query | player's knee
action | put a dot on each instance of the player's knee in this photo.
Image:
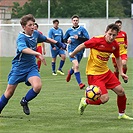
(63, 57)
(104, 98)
(9, 93)
(124, 65)
(76, 66)
(121, 92)
(37, 87)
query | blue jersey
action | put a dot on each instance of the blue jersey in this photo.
(81, 32)
(22, 60)
(56, 34)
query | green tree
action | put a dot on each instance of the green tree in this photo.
(127, 7)
(66, 8)
(116, 9)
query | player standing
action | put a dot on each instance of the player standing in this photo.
(98, 72)
(122, 41)
(75, 36)
(24, 67)
(56, 33)
(40, 48)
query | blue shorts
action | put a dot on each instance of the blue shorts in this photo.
(77, 57)
(54, 53)
(22, 75)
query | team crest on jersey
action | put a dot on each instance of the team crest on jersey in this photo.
(123, 35)
(102, 46)
(79, 33)
(113, 48)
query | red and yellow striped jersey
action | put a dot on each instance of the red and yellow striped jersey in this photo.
(122, 41)
(100, 52)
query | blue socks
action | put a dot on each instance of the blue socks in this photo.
(3, 102)
(53, 66)
(71, 71)
(30, 95)
(77, 76)
(61, 64)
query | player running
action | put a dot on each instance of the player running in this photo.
(56, 33)
(98, 72)
(24, 67)
(75, 36)
(121, 38)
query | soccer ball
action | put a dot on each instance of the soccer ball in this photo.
(93, 92)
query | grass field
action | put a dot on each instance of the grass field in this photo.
(55, 108)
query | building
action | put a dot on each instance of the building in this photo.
(6, 7)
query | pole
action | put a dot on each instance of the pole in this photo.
(48, 11)
(107, 10)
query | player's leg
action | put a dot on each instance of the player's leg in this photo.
(62, 61)
(98, 81)
(124, 63)
(54, 66)
(116, 71)
(6, 96)
(113, 82)
(39, 49)
(77, 73)
(53, 63)
(36, 84)
(121, 102)
(85, 101)
(32, 79)
(71, 71)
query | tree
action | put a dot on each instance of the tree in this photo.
(66, 8)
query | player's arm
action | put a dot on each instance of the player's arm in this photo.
(42, 38)
(32, 52)
(43, 47)
(78, 49)
(119, 64)
(126, 42)
(66, 36)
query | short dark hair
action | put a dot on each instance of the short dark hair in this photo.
(118, 21)
(26, 18)
(75, 16)
(36, 24)
(112, 27)
(56, 20)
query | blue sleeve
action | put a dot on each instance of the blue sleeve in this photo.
(21, 44)
(66, 36)
(41, 38)
(85, 33)
(62, 35)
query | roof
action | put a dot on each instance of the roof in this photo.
(9, 3)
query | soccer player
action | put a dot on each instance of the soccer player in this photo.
(75, 36)
(121, 38)
(56, 33)
(40, 48)
(24, 67)
(98, 72)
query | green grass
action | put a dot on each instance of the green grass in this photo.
(55, 108)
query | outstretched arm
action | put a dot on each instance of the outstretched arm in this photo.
(32, 52)
(78, 49)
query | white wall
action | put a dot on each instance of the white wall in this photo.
(95, 27)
